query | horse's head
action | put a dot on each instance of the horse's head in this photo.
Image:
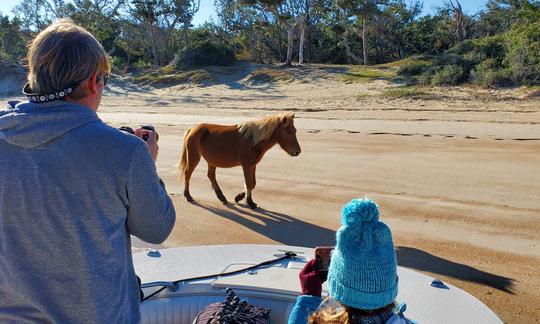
(285, 134)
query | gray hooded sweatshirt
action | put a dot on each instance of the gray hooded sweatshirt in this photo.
(72, 190)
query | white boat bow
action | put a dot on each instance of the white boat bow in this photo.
(275, 286)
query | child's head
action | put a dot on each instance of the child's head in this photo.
(363, 269)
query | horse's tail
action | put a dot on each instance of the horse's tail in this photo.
(182, 164)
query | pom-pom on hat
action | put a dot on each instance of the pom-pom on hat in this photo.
(363, 268)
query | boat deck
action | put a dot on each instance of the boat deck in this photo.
(276, 286)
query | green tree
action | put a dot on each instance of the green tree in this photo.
(35, 15)
(12, 40)
(98, 17)
(499, 15)
(361, 13)
(161, 19)
(391, 25)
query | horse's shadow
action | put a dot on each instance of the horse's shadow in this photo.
(279, 227)
(288, 230)
(420, 260)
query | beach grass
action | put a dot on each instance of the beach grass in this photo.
(364, 74)
(168, 76)
(270, 75)
(407, 92)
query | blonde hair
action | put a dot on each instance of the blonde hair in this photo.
(261, 129)
(62, 55)
(330, 314)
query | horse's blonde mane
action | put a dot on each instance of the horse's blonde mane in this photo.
(261, 129)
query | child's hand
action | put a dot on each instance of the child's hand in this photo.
(311, 279)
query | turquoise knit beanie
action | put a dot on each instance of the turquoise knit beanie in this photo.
(362, 270)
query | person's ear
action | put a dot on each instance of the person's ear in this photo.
(93, 83)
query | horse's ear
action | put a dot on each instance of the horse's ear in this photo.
(287, 119)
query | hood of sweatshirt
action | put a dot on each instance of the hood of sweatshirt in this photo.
(30, 125)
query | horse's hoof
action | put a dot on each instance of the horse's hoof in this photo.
(252, 205)
(239, 197)
(222, 198)
(189, 198)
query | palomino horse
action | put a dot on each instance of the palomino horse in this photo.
(226, 146)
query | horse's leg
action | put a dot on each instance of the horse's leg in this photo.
(249, 176)
(240, 196)
(212, 176)
(250, 187)
(193, 158)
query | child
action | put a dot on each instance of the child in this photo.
(362, 278)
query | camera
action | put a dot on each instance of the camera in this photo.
(323, 254)
(130, 130)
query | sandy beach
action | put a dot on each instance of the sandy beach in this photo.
(456, 173)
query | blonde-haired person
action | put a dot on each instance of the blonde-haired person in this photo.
(362, 278)
(72, 192)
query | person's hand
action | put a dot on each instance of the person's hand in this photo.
(311, 279)
(151, 141)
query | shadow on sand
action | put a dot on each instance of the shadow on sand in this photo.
(288, 230)
(420, 260)
(279, 227)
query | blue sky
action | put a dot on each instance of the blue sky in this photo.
(207, 8)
